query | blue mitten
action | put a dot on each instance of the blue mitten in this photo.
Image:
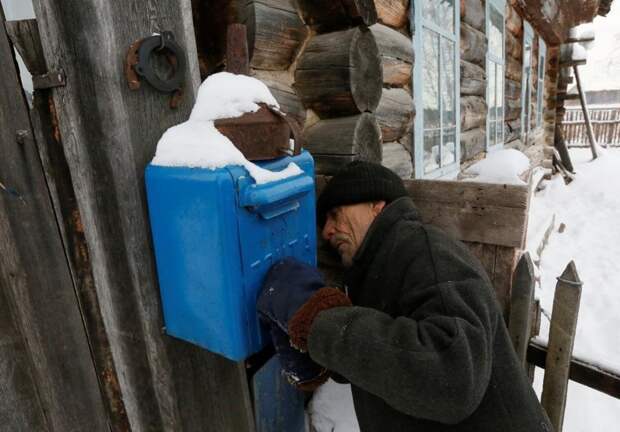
(289, 284)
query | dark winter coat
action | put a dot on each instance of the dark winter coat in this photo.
(425, 346)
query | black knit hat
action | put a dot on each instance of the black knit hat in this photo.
(358, 182)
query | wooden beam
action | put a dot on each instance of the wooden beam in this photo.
(561, 340)
(579, 40)
(586, 113)
(571, 63)
(166, 384)
(494, 214)
(522, 297)
(599, 378)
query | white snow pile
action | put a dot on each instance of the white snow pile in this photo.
(579, 52)
(196, 143)
(588, 210)
(501, 166)
(331, 409)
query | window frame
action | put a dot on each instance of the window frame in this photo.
(418, 27)
(528, 35)
(500, 7)
(542, 60)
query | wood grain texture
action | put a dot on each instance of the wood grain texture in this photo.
(472, 212)
(275, 33)
(473, 13)
(514, 46)
(331, 15)
(340, 74)
(290, 104)
(166, 384)
(514, 22)
(473, 143)
(357, 136)
(394, 13)
(473, 80)
(566, 301)
(395, 114)
(473, 112)
(521, 302)
(397, 158)
(44, 327)
(473, 45)
(396, 53)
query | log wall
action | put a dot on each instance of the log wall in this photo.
(514, 73)
(473, 79)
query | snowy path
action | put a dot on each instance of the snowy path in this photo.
(590, 209)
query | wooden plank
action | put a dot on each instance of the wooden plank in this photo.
(166, 384)
(521, 299)
(493, 214)
(599, 378)
(37, 281)
(561, 339)
(57, 175)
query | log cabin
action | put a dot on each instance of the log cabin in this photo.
(445, 81)
(423, 86)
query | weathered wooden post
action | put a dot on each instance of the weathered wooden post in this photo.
(586, 113)
(522, 296)
(108, 134)
(561, 340)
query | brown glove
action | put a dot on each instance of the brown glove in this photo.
(300, 323)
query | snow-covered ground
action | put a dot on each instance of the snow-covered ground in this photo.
(589, 208)
(589, 212)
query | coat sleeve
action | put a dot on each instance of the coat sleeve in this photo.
(434, 363)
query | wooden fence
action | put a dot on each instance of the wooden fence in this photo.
(605, 123)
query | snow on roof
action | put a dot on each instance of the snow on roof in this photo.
(602, 72)
(501, 166)
(579, 52)
(196, 143)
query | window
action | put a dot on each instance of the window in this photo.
(526, 83)
(495, 73)
(542, 59)
(436, 87)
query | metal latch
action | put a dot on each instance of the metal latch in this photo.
(49, 80)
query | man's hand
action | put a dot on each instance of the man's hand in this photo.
(293, 294)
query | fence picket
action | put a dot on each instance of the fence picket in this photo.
(605, 122)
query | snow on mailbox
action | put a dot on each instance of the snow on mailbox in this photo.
(220, 221)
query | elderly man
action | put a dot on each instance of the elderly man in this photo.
(420, 336)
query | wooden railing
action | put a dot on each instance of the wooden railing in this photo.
(605, 123)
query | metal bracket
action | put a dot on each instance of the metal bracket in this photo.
(49, 80)
(138, 64)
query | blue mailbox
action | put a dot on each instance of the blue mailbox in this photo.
(216, 233)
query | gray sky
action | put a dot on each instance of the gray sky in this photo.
(16, 10)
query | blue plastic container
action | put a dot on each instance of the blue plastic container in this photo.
(216, 233)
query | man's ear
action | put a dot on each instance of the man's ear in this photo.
(377, 207)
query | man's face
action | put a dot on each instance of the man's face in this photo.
(346, 226)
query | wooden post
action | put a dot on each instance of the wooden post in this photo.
(561, 340)
(47, 379)
(108, 135)
(520, 323)
(586, 114)
(237, 50)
